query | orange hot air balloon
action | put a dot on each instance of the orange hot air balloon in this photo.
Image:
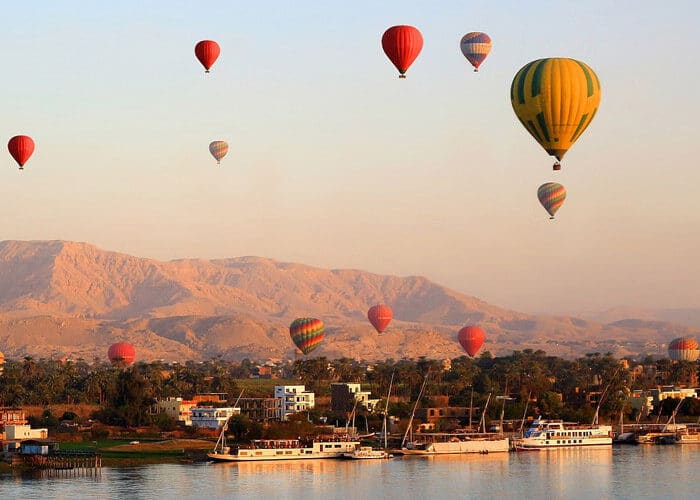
(207, 51)
(21, 148)
(380, 316)
(121, 354)
(402, 44)
(471, 338)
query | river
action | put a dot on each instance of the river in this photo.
(620, 472)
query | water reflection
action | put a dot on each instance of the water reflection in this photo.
(621, 472)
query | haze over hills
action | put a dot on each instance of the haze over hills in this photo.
(66, 298)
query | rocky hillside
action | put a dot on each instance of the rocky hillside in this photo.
(66, 298)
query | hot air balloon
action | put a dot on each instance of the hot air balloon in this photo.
(207, 51)
(307, 333)
(471, 338)
(555, 99)
(21, 148)
(402, 44)
(552, 196)
(684, 348)
(380, 316)
(475, 47)
(121, 354)
(218, 150)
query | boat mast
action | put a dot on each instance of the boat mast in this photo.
(522, 422)
(413, 413)
(673, 415)
(385, 428)
(222, 437)
(482, 424)
(471, 407)
(602, 397)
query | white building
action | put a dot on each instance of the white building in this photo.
(210, 417)
(176, 408)
(292, 399)
(17, 432)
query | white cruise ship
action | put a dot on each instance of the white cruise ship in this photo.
(544, 434)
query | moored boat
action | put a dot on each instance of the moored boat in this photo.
(545, 434)
(284, 449)
(449, 443)
(367, 453)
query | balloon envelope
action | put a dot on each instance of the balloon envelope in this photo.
(402, 44)
(207, 52)
(121, 354)
(307, 333)
(471, 338)
(21, 148)
(555, 99)
(475, 47)
(684, 348)
(218, 150)
(380, 316)
(551, 196)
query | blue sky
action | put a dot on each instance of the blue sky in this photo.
(334, 162)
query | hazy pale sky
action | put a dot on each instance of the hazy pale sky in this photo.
(336, 163)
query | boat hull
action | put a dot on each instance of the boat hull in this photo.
(484, 446)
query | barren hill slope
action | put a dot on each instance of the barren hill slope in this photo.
(59, 297)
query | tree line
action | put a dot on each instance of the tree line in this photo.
(551, 386)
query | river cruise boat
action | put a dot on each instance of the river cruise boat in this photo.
(367, 453)
(453, 444)
(284, 449)
(545, 434)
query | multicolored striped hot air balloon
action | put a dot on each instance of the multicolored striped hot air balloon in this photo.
(475, 47)
(555, 99)
(552, 196)
(380, 316)
(402, 44)
(471, 338)
(307, 333)
(218, 150)
(684, 349)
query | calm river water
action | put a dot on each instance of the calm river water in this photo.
(624, 472)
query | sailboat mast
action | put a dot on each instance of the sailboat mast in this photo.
(385, 428)
(413, 413)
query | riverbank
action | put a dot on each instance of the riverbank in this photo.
(123, 453)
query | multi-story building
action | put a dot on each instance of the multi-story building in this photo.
(178, 409)
(260, 409)
(292, 399)
(210, 417)
(345, 394)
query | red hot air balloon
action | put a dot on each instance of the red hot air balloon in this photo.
(307, 333)
(402, 44)
(380, 317)
(121, 354)
(207, 51)
(21, 148)
(471, 338)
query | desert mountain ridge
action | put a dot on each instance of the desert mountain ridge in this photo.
(61, 298)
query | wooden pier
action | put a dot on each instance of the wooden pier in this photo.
(62, 463)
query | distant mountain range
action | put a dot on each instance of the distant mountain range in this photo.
(61, 298)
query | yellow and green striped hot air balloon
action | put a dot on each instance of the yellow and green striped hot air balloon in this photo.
(555, 99)
(552, 196)
(307, 333)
